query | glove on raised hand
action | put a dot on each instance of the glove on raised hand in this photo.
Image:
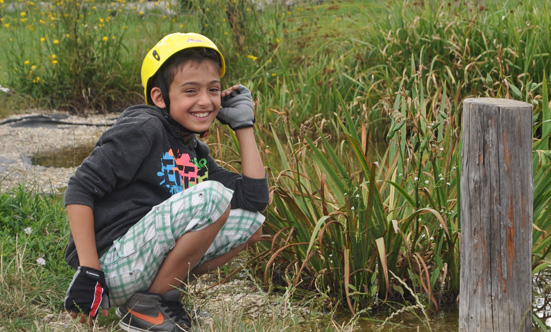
(237, 109)
(87, 292)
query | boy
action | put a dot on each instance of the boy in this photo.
(150, 208)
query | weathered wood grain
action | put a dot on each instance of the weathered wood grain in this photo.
(496, 216)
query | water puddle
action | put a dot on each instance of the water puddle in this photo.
(67, 158)
(447, 319)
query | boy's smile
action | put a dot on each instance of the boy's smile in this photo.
(195, 95)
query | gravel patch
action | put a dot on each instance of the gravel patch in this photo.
(23, 136)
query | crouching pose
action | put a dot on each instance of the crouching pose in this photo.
(150, 208)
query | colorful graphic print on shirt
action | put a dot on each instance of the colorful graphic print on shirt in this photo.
(180, 171)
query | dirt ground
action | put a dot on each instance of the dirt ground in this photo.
(23, 136)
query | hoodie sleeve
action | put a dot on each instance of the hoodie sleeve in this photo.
(249, 194)
(114, 161)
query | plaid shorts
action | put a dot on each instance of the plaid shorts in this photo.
(134, 259)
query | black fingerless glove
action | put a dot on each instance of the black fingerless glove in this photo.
(237, 109)
(87, 292)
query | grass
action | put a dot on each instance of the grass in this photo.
(358, 117)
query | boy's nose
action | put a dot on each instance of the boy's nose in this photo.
(204, 98)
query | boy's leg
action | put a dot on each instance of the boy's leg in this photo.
(160, 309)
(134, 260)
(221, 260)
(243, 228)
(187, 252)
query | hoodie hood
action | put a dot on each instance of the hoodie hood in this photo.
(173, 127)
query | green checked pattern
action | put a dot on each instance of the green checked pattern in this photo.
(133, 261)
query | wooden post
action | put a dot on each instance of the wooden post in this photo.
(496, 216)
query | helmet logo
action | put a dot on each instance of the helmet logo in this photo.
(156, 55)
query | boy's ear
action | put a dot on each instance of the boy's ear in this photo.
(157, 97)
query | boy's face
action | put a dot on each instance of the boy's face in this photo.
(195, 95)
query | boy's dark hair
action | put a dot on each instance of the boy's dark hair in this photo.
(170, 68)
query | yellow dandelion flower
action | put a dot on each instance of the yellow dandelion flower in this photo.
(56, 41)
(26, 62)
(140, 13)
(252, 57)
(33, 67)
(54, 56)
(274, 74)
(54, 62)
(42, 39)
(101, 20)
(113, 37)
(23, 14)
(206, 25)
(7, 25)
(105, 39)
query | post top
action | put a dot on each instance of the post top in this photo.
(497, 102)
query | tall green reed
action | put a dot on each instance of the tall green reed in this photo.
(407, 76)
(355, 218)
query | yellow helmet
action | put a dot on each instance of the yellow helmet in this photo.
(167, 47)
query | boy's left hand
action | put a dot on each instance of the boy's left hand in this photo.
(237, 108)
(87, 294)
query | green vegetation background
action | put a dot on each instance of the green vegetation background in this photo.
(358, 117)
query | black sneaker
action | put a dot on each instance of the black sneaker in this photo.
(154, 312)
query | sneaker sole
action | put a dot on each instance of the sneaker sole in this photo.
(125, 326)
(129, 328)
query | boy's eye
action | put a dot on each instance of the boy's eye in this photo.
(214, 89)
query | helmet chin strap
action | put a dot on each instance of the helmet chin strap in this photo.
(164, 94)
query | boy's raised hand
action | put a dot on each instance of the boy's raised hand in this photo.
(237, 108)
(87, 292)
